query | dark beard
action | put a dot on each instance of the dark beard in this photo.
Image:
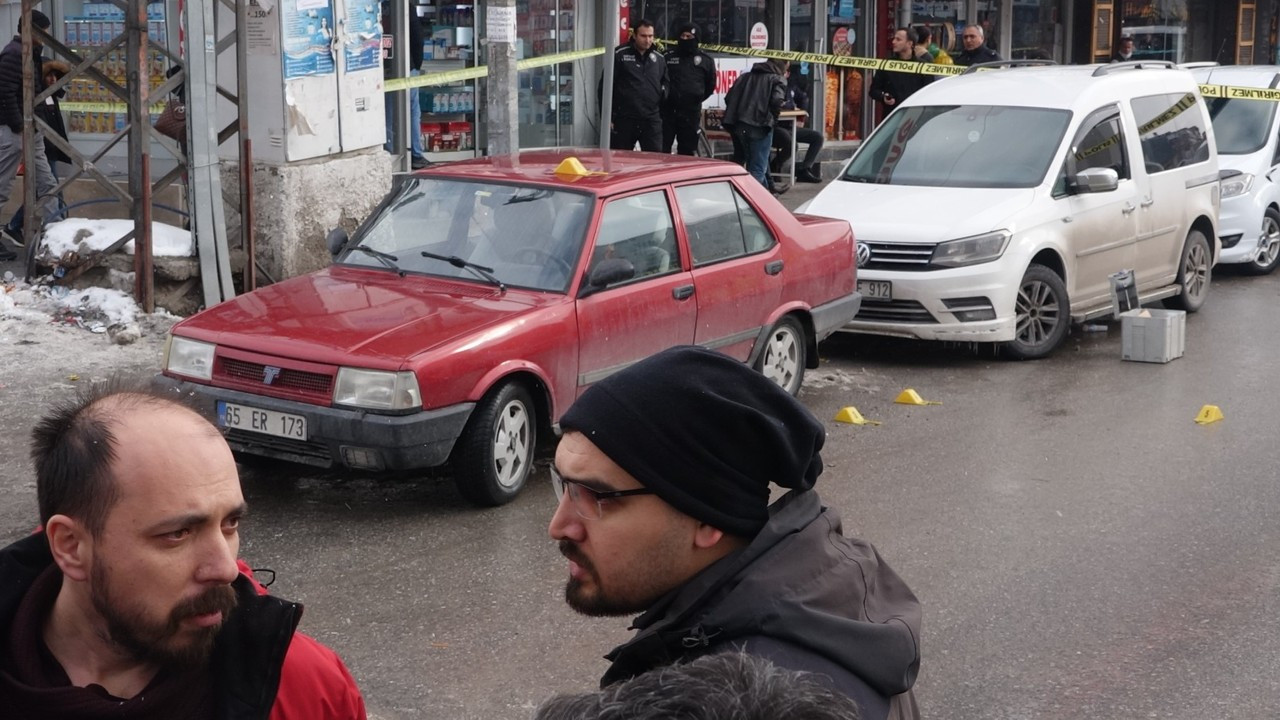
(151, 643)
(599, 605)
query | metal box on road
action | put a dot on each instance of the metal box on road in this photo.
(1153, 335)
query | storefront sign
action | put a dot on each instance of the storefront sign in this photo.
(500, 24)
(759, 36)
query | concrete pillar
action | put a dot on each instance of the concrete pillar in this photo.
(296, 204)
(502, 101)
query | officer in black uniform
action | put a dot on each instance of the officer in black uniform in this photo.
(692, 77)
(639, 88)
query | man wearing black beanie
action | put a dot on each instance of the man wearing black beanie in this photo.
(663, 479)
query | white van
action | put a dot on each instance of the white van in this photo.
(1246, 132)
(994, 206)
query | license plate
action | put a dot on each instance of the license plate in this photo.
(267, 422)
(876, 289)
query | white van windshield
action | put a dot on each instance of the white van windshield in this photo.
(975, 146)
(1240, 127)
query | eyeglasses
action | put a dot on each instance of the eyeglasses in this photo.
(585, 500)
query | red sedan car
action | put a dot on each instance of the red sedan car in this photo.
(482, 297)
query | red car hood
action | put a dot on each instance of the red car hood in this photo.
(340, 314)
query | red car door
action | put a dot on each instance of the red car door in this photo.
(633, 318)
(737, 266)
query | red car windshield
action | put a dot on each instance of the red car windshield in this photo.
(522, 236)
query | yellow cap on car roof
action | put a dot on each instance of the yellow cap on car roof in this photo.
(573, 166)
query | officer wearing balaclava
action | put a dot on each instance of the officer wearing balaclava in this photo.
(691, 75)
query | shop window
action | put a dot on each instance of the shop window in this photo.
(726, 22)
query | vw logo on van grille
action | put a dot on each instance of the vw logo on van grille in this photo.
(864, 254)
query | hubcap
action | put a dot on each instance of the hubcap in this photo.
(1196, 270)
(1270, 245)
(511, 444)
(1038, 313)
(782, 358)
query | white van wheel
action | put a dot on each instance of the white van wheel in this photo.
(1195, 272)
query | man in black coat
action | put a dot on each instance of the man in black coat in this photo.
(751, 109)
(893, 86)
(691, 77)
(974, 39)
(639, 89)
(663, 477)
(11, 122)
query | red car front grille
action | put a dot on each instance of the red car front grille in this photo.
(284, 382)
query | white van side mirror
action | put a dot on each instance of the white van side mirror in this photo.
(1097, 180)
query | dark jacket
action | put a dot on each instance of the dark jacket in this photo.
(756, 97)
(51, 112)
(691, 79)
(262, 668)
(802, 595)
(413, 47)
(639, 82)
(901, 85)
(983, 54)
(11, 82)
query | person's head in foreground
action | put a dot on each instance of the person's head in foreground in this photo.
(725, 686)
(132, 601)
(664, 468)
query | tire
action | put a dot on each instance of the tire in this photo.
(495, 453)
(1270, 255)
(1195, 271)
(783, 358)
(1043, 314)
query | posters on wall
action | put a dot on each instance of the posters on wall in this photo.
(308, 37)
(363, 48)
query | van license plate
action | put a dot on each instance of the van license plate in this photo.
(267, 422)
(876, 289)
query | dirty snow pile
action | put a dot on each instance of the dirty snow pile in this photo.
(83, 235)
(98, 310)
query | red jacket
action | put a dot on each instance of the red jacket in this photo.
(314, 683)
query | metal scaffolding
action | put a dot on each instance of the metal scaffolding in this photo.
(199, 164)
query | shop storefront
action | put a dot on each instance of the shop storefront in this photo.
(1231, 32)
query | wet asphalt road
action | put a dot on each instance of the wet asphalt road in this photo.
(1081, 547)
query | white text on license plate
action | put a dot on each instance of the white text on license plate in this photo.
(267, 422)
(876, 289)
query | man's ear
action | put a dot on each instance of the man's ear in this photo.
(706, 536)
(71, 545)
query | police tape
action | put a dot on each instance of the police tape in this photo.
(913, 66)
(479, 71)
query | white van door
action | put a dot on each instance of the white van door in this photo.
(1175, 152)
(1102, 226)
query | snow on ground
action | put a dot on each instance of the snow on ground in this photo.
(82, 235)
(95, 310)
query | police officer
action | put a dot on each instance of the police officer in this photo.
(639, 88)
(692, 77)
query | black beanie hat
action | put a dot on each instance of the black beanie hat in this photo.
(705, 432)
(687, 27)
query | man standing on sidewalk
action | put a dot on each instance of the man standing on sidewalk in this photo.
(639, 89)
(751, 111)
(11, 122)
(692, 76)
